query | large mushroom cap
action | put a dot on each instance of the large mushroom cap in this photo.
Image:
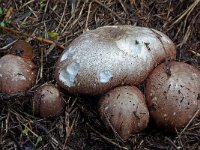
(47, 101)
(16, 74)
(173, 92)
(110, 56)
(124, 110)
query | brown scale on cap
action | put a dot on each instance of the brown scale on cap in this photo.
(47, 101)
(22, 49)
(16, 74)
(172, 92)
(124, 110)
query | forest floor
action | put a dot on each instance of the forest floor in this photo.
(49, 26)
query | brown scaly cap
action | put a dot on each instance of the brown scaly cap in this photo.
(16, 74)
(47, 101)
(172, 92)
(123, 109)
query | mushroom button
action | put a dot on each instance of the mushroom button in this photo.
(123, 109)
(22, 49)
(47, 101)
(111, 56)
(16, 74)
(173, 94)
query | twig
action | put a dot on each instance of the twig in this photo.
(9, 13)
(8, 45)
(61, 19)
(110, 10)
(171, 142)
(41, 64)
(186, 37)
(69, 128)
(49, 50)
(15, 140)
(197, 112)
(187, 12)
(40, 39)
(79, 16)
(124, 8)
(45, 130)
(195, 53)
(73, 5)
(72, 14)
(107, 139)
(27, 3)
(88, 14)
(45, 10)
(10, 96)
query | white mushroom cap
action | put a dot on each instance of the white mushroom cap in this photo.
(110, 56)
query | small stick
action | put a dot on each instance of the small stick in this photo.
(4, 96)
(106, 7)
(195, 53)
(79, 16)
(187, 12)
(197, 112)
(8, 14)
(88, 14)
(61, 19)
(170, 141)
(15, 141)
(40, 39)
(6, 47)
(107, 139)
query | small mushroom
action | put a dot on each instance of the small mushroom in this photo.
(22, 49)
(173, 92)
(16, 74)
(47, 101)
(110, 56)
(123, 110)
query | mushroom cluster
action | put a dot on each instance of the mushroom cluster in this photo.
(18, 74)
(17, 71)
(112, 60)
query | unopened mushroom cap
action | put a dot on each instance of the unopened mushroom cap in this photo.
(47, 101)
(123, 109)
(110, 56)
(23, 49)
(172, 92)
(16, 74)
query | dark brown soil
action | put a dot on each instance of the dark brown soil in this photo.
(78, 126)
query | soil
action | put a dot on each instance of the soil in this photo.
(59, 22)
